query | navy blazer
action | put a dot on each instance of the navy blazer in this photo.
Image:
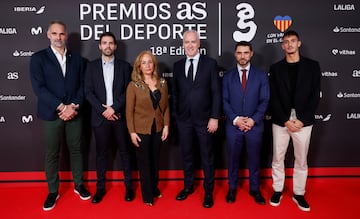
(200, 100)
(307, 92)
(49, 84)
(252, 103)
(95, 91)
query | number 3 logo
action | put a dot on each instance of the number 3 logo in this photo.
(245, 13)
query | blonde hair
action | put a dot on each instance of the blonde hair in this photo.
(136, 74)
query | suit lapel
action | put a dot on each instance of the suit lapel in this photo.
(100, 77)
(301, 72)
(199, 68)
(285, 75)
(53, 58)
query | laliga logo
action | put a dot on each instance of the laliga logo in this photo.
(282, 23)
(246, 12)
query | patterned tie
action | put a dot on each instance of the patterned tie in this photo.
(243, 79)
(190, 74)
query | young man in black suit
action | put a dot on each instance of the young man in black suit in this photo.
(294, 97)
(197, 105)
(57, 77)
(106, 80)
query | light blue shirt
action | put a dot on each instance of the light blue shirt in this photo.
(108, 73)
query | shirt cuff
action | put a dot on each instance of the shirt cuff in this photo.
(234, 121)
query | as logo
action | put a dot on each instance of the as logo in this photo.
(196, 11)
(12, 75)
(27, 119)
(36, 30)
(247, 27)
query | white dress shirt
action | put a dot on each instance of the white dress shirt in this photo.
(61, 59)
(195, 64)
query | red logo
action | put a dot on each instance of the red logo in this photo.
(282, 23)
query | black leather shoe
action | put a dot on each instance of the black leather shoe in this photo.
(208, 201)
(258, 197)
(129, 195)
(231, 196)
(183, 194)
(99, 195)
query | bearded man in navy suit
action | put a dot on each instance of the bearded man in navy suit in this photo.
(197, 105)
(245, 100)
(57, 77)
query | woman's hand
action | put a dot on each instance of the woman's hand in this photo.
(165, 133)
(135, 139)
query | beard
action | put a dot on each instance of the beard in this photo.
(108, 52)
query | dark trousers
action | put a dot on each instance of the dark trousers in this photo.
(148, 163)
(236, 140)
(54, 132)
(187, 130)
(104, 134)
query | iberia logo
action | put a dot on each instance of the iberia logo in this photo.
(282, 23)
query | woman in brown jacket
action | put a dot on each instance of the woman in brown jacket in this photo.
(147, 117)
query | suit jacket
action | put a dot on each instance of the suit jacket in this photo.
(140, 113)
(307, 91)
(252, 103)
(49, 84)
(95, 91)
(200, 100)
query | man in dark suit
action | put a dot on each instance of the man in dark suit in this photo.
(57, 78)
(197, 105)
(295, 95)
(106, 80)
(245, 100)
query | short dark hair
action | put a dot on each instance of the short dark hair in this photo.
(291, 33)
(110, 34)
(57, 22)
(243, 43)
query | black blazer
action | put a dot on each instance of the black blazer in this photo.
(200, 100)
(95, 91)
(50, 85)
(307, 91)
